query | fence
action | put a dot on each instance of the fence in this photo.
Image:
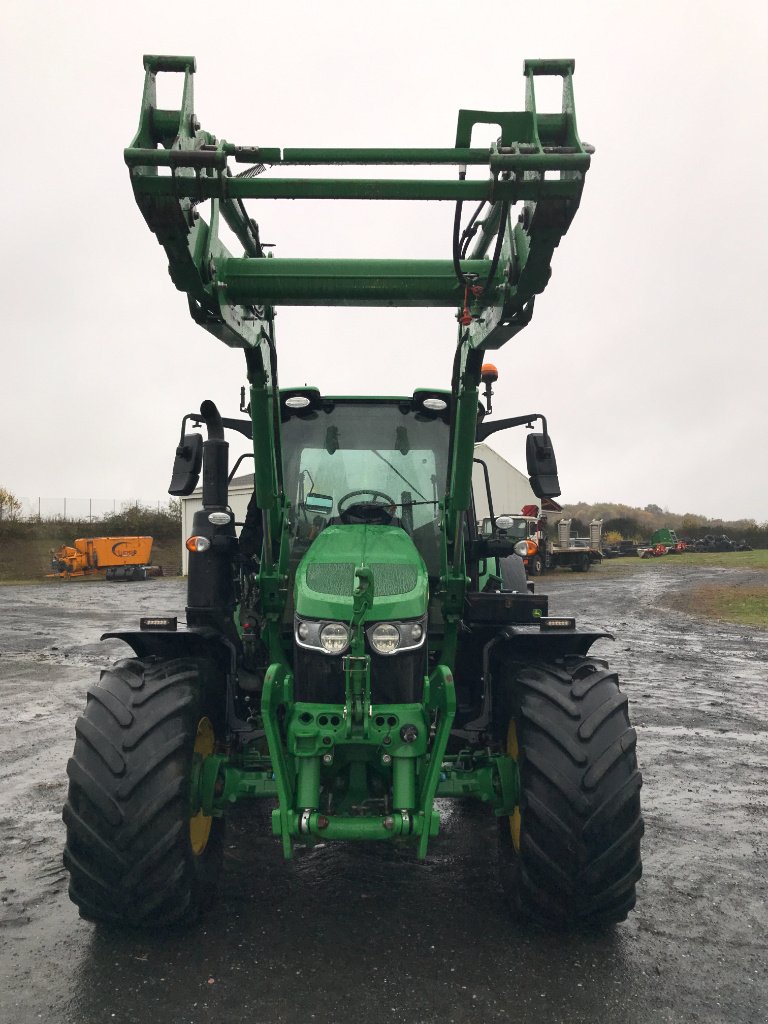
(82, 509)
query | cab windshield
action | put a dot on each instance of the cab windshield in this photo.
(386, 452)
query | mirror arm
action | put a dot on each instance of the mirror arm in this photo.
(244, 427)
(486, 429)
(196, 419)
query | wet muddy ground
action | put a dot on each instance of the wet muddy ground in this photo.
(365, 934)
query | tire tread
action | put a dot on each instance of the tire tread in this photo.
(128, 850)
(579, 856)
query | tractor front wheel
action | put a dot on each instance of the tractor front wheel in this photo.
(570, 854)
(138, 853)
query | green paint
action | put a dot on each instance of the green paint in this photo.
(367, 761)
(325, 577)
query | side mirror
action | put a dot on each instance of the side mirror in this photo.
(186, 465)
(542, 466)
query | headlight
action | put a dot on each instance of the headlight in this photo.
(334, 638)
(324, 637)
(385, 638)
(394, 637)
(521, 548)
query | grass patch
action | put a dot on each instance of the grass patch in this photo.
(746, 605)
(722, 559)
(757, 560)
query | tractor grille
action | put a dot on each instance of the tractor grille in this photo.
(318, 678)
(397, 679)
(334, 578)
(337, 579)
(389, 580)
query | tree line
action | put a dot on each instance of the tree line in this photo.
(620, 522)
(132, 520)
(625, 522)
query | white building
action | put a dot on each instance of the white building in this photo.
(510, 489)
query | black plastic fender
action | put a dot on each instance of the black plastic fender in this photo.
(549, 644)
(206, 646)
(188, 643)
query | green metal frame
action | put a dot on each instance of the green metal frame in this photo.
(532, 147)
(537, 161)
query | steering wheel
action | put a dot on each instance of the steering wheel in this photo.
(368, 512)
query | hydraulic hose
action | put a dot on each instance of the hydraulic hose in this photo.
(503, 216)
(470, 230)
(456, 242)
(461, 239)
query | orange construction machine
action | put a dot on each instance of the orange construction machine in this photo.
(120, 558)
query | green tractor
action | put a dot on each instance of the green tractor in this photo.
(358, 651)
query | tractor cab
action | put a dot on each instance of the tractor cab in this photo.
(364, 462)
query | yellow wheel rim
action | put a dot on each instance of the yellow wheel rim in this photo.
(513, 750)
(200, 824)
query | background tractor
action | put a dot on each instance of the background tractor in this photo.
(358, 651)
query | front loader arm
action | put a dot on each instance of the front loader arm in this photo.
(172, 139)
(538, 160)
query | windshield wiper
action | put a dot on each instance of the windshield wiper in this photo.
(405, 479)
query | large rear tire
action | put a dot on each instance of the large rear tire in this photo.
(570, 855)
(138, 855)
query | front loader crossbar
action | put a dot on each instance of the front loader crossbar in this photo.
(517, 158)
(318, 282)
(537, 159)
(204, 187)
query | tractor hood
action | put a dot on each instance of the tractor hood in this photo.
(325, 578)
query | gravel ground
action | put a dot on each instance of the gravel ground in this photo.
(363, 933)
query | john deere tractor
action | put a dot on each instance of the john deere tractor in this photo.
(354, 651)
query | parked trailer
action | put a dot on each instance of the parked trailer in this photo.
(576, 553)
(120, 558)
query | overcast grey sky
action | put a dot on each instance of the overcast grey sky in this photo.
(646, 352)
